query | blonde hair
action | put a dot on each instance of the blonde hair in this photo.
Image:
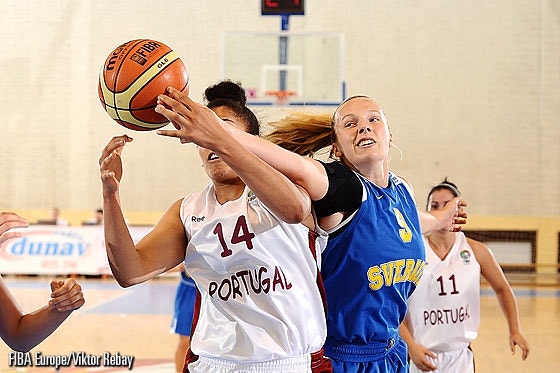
(302, 133)
(306, 133)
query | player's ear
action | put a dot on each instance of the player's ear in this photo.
(335, 151)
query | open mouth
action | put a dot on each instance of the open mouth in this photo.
(213, 156)
(365, 142)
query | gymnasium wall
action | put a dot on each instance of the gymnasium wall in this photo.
(471, 90)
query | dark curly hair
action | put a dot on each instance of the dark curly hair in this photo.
(232, 95)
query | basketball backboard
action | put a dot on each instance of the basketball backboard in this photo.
(285, 68)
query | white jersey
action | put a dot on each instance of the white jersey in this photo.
(257, 279)
(444, 310)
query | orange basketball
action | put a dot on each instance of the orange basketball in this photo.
(132, 77)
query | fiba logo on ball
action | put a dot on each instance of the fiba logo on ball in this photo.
(132, 77)
(138, 59)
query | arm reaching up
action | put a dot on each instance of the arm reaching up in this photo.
(161, 249)
(195, 123)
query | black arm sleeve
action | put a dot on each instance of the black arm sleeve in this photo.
(344, 193)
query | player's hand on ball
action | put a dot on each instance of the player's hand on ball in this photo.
(66, 295)
(193, 121)
(131, 78)
(110, 164)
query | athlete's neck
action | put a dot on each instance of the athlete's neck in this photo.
(228, 192)
(441, 243)
(376, 172)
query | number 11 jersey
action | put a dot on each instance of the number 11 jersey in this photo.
(444, 310)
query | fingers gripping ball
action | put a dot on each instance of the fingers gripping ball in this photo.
(132, 77)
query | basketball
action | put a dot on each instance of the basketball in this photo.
(132, 77)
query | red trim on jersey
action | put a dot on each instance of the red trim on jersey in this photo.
(190, 356)
(319, 362)
(312, 239)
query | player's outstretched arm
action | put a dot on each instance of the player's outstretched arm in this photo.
(303, 171)
(451, 218)
(493, 273)
(203, 127)
(157, 252)
(22, 332)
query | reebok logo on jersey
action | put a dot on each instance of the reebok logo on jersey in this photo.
(196, 219)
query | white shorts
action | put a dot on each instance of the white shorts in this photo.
(455, 361)
(296, 364)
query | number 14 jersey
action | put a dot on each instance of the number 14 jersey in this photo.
(257, 279)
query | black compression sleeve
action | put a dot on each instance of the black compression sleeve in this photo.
(344, 193)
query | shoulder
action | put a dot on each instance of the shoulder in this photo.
(399, 180)
(341, 177)
(199, 194)
(489, 266)
(173, 211)
(344, 193)
(338, 169)
(195, 201)
(480, 250)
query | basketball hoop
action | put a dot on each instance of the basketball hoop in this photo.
(281, 96)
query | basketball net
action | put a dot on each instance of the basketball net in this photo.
(281, 96)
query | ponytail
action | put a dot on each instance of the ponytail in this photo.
(302, 133)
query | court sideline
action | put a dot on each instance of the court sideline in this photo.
(135, 322)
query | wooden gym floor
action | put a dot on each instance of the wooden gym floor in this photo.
(135, 321)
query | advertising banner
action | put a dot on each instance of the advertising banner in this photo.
(58, 250)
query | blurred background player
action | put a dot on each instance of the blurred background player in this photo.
(96, 219)
(181, 323)
(444, 312)
(57, 219)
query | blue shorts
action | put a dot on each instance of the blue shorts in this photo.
(390, 359)
(184, 306)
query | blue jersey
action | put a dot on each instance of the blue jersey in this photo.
(372, 266)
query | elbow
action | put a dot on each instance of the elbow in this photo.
(293, 219)
(123, 279)
(124, 283)
(129, 280)
(19, 337)
(297, 214)
(19, 345)
(302, 209)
